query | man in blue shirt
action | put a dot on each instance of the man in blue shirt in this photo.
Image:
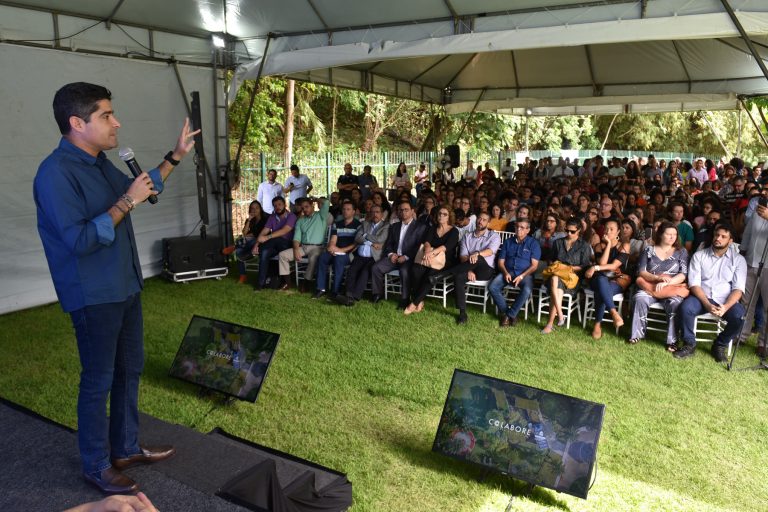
(518, 259)
(83, 217)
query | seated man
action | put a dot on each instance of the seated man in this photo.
(369, 239)
(717, 278)
(518, 260)
(308, 239)
(476, 254)
(403, 243)
(340, 246)
(275, 237)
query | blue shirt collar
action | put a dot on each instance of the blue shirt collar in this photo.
(68, 147)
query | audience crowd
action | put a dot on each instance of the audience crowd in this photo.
(685, 238)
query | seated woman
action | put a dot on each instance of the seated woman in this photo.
(443, 238)
(498, 222)
(573, 255)
(610, 276)
(401, 179)
(244, 245)
(546, 236)
(379, 199)
(662, 270)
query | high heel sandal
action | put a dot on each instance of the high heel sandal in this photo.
(410, 309)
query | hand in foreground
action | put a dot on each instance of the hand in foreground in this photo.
(186, 141)
(118, 503)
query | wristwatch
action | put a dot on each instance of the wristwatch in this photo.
(169, 158)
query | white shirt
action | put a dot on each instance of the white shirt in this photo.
(722, 275)
(300, 185)
(470, 174)
(267, 192)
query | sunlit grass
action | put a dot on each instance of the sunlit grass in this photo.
(361, 390)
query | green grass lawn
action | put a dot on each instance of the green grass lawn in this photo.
(361, 390)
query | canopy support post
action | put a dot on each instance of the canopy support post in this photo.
(745, 37)
(714, 132)
(610, 126)
(754, 123)
(250, 104)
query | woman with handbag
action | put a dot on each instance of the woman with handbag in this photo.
(662, 270)
(438, 252)
(571, 256)
(609, 276)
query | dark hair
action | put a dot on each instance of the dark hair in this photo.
(281, 198)
(723, 226)
(458, 214)
(255, 201)
(79, 99)
(631, 224)
(573, 221)
(294, 167)
(665, 225)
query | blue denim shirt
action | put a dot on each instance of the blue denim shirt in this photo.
(91, 261)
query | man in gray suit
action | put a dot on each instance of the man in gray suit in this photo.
(403, 243)
(370, 238)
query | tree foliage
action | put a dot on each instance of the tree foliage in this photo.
(342, 119)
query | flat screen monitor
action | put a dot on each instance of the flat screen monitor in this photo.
(537, 436)
(229, 358)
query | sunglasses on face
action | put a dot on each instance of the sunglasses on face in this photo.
(572, 231)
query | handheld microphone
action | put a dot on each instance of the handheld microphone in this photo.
(127, 156)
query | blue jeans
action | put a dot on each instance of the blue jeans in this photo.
(497, 287)
(339, 262)
(604, 290)
(692, 307)
(110, 340)
(243, 248)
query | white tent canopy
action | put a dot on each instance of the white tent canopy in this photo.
(555, 57)
(546, 56)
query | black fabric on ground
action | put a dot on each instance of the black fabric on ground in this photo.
(40, 467)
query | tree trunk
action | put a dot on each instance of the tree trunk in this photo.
(289, 115)
(371, 125)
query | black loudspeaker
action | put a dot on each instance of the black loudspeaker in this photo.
(455, 153)
(191, 254)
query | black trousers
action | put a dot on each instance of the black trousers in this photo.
(358, 273)
(420, 283)
(384, 266)
(482, 272)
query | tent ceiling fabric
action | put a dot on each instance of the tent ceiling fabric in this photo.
(544, 55)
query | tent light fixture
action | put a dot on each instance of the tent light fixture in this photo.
(218, 41)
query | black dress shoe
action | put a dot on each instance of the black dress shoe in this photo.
(503, 320)
(112, 481)
(376, 299)
(147, 455)
(461, 319)
(318, 294)
(686, 351)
